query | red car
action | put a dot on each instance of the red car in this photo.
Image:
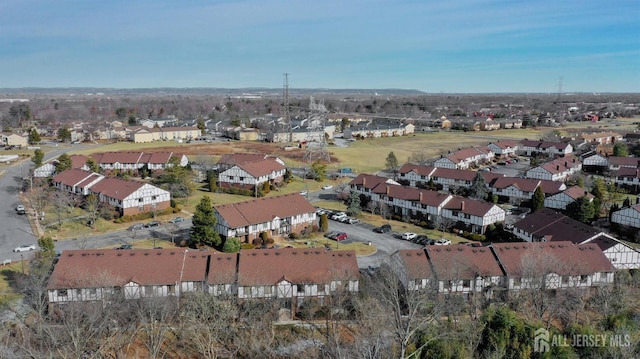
(339, 236)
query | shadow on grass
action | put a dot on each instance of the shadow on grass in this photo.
(10, 276)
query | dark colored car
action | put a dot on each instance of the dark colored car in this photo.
(177, 220)
(385, 228)
(152, 224)
(125, 246)
(421, 239)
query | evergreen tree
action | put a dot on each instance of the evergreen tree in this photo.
(64, 163)
(93, 165)
(38, 156)
(537, 202)
(204, 223)
(34, 137)
(620, 150)
(479, 187)
(626, 203)
(353, 204)
(581, 209)
(231, 245)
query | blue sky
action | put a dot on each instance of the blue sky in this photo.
(434, 46)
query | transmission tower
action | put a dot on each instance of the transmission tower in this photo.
(285, 113)
(316, 149)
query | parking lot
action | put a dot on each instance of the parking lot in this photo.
(386, 243)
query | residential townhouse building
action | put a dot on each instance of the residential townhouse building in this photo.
(229, 160)
(503, 268)
(562, 199)
(519, 190)
(465, 158)
(14, 139)
(615, 163)
(251, 175)
(602, 138)
(547, 225)
(276, 216)
(377, 130)
(560, 169)
(545, 148)
(292, 274)
(553, 265)
(144, 135)
(628, 178)
(128, 197)
(505, 148)
(409, 202)
(628, 216)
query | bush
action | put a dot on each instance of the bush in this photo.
(247, 246)
(293, 236)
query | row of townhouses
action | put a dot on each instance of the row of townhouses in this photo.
(125, 160)
(297, 274)
(503, 267)
(249, 171)
(421, 204)
(128, 197)
(547, 225)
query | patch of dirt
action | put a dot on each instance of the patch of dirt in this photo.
(218, 149)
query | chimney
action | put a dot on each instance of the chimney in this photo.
(387, 190)
(420, 196)
(462, 205)
(364, 182)
(558, 168)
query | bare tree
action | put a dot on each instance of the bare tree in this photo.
(62, 203)
(407, 311)
(155, 317)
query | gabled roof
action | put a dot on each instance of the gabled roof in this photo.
(543, 145)
(117, 157)
(561, 165)
(628, 172)
(469, 206)
(506, 144)
(78, 161)
(375, 183)
(576, 192)
(94, 268)
(116, 188)
(423, 196)
(262, 167)
(554, 226)
(463, 262)
(263, 210)
(466, 154)
(418, 169)
(414, 263)
(297, 265)
(72, 177)
(540, 258)
(551, 187)
(523, 184)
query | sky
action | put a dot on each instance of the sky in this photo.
(443, 46)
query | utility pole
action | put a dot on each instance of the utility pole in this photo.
(285, 113)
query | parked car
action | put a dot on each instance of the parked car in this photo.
(327, 186)
(442, 242)
(350, 220)
(124, 246)
(338, 216)
(474, 244)
(407, 236)
(430, 242)
(152, 224)
(25, 248)
(341, 236)
(136, 226)
(304, 193)
(331, 234)
(385, 228)
(20, 209)
(421, 239)
(177, 220)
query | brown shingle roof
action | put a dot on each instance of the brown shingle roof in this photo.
(420, 170)
(232, 159)
(116, 188)
(298, 266)
(94, 268)
(261, 168)
(415, 263)
(469, 206)
(554, 226)
(263, 210)
(562, 258)
(463, 262)
(72, 176)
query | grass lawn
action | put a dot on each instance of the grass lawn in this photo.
(8, 275)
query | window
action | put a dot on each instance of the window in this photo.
(153, 198)
(62, 293)
(467, 216)
(241, 178)
(140, 200)
(301, 288)
(454, 213)
(268, 290)
(171, 289)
